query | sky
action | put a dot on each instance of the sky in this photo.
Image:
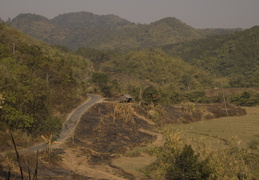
(196, 13)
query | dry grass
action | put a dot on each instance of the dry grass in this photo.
(241, 129)
(134, 165)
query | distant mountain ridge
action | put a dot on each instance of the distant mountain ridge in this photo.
(82, 19)
(84, 29)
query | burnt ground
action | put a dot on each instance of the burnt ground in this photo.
(107, 130)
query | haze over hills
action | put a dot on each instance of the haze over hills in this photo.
(167, 66)
(84, 29)
(217, 51)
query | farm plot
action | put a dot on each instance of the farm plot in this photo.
(241, 129)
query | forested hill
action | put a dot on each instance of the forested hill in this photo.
(38, 83)
(234, 57)
(83, 29)
(83, 19)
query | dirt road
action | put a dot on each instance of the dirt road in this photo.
(70, 124)
(74, 117)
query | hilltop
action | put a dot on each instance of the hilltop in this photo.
(84, 29)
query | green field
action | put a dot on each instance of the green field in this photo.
(241, 130)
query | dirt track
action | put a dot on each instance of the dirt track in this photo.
(71, 122)
(75, 116)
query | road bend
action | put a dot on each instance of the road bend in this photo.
(71, 122)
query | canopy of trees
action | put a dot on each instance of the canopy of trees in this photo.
(234, 56)
(37, 82)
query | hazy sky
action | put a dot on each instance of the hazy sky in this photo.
(196, 13)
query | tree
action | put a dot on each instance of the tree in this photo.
(186, 165)
(100, 78)
(101, 81)
(151, 95)
(52, 127)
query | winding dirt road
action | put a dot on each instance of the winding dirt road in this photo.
(71, 122)
(75, 116)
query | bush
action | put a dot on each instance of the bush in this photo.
(197, 97)
(245, 99)
(253, 144)
(101, 80)
(178, 161)
(151, 95)
(187, 165)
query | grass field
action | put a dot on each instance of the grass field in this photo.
(241, 129)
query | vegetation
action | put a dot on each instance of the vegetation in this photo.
(37, 83)
(165, 62)
(178, 160)
(245, 99)
(234, 57)
(186, 165)
(84, 29)
(138, 70)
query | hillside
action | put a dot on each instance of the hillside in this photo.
(234, 57)
(83, 29)
(152, 69)
(39, 84)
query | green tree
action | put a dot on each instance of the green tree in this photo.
(186, 166)
(37, 81)
(151, 95)
(52, 126)
(245, 99)
(101, 80)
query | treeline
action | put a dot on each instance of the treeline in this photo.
(38, 83)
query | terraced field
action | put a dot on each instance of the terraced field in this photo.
(241, 129)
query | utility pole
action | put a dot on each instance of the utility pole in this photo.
(14, 49)
(224, 99)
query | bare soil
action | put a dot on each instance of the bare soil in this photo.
(108, 130)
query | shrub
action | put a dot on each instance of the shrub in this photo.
(197, 97)
(245, 99)
(253, 144)
(187, 165)
(151, 95)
